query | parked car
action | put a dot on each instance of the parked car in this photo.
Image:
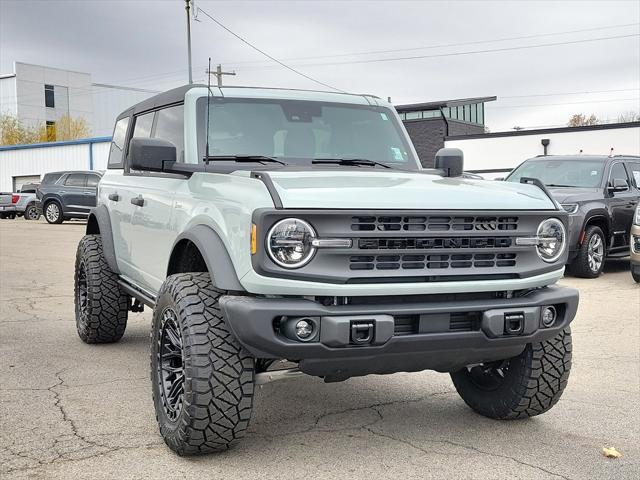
(65, 195)
(300, 225)
(20, 204)
(635, 246)
(600, 194)
(8, 202)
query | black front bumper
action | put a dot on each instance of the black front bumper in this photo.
(252, 321)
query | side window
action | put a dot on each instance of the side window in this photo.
(170, 127)
(634, 169)
(618, 171)
(92, 180)
(117, 143)
(75, 180)
(142, 127)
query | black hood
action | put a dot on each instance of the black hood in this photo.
(575, 194)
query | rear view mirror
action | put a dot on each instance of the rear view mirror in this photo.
(618, 185)
(450, 161)
(150, 154)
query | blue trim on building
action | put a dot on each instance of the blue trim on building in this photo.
(81, 141)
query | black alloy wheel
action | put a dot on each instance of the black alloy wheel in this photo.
(171, 365)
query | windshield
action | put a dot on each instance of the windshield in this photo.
(561, 173)
(297, 132)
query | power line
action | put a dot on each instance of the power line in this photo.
(534, 105)
(472, 52)
(446, 45)
(570, 93)
(246, 42)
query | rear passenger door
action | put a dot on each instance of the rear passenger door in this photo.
(72, 193)
(90, 191)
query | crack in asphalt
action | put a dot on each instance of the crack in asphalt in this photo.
(460, 445)
(59, 457)
(315, 425)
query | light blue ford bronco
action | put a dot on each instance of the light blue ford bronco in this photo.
(263, 225)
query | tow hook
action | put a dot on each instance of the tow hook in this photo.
(513, 323)
(361, 332)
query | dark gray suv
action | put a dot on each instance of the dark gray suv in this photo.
(66, 195)
(600, 194)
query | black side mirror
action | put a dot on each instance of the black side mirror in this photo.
(150, 154)
(618, 185)
(450, 161)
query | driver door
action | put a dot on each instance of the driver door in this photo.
(622, 205)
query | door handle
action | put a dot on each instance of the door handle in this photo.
(114, 197)
(139, 201)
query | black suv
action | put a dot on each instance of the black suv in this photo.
(600, 194)
(65, 195)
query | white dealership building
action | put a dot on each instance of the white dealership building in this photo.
(41, 95)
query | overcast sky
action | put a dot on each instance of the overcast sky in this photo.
(142, 44)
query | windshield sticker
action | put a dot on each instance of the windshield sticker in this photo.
(384, 116)
(397, 154)
(594, 173)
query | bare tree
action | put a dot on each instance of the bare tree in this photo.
(581, 120)
(629, 116)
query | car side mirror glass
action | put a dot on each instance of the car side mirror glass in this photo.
(618, 185)
(150, 154)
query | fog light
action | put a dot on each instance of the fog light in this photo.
(304, 329)
(548, 316)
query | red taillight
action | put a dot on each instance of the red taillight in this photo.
(15, 198)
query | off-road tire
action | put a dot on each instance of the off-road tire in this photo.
(48, 216)
(580, 265)
(100, 304)
(636, 277)
(3, 216)
(217, 399)
(533, 381)
(31, 212)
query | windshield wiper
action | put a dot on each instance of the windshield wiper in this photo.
(558, 185)
(243, 158)
(349, 161)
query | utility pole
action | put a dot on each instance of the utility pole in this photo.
(188, 8)
(219, 73)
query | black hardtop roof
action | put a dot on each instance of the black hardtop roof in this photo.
(176, 95)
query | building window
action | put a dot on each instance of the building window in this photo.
(51, 131)
(481, 113)
(474, 114)
(413, 115)
(49, 97)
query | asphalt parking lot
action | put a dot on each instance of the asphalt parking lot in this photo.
(70, 410)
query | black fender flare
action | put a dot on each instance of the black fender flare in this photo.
(208, 242)
(99, 222)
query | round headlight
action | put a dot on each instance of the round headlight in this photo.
(289, 243)
(552, 239)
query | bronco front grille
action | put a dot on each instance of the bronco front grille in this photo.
(438, 261)
(417, 243)
(364, 223)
